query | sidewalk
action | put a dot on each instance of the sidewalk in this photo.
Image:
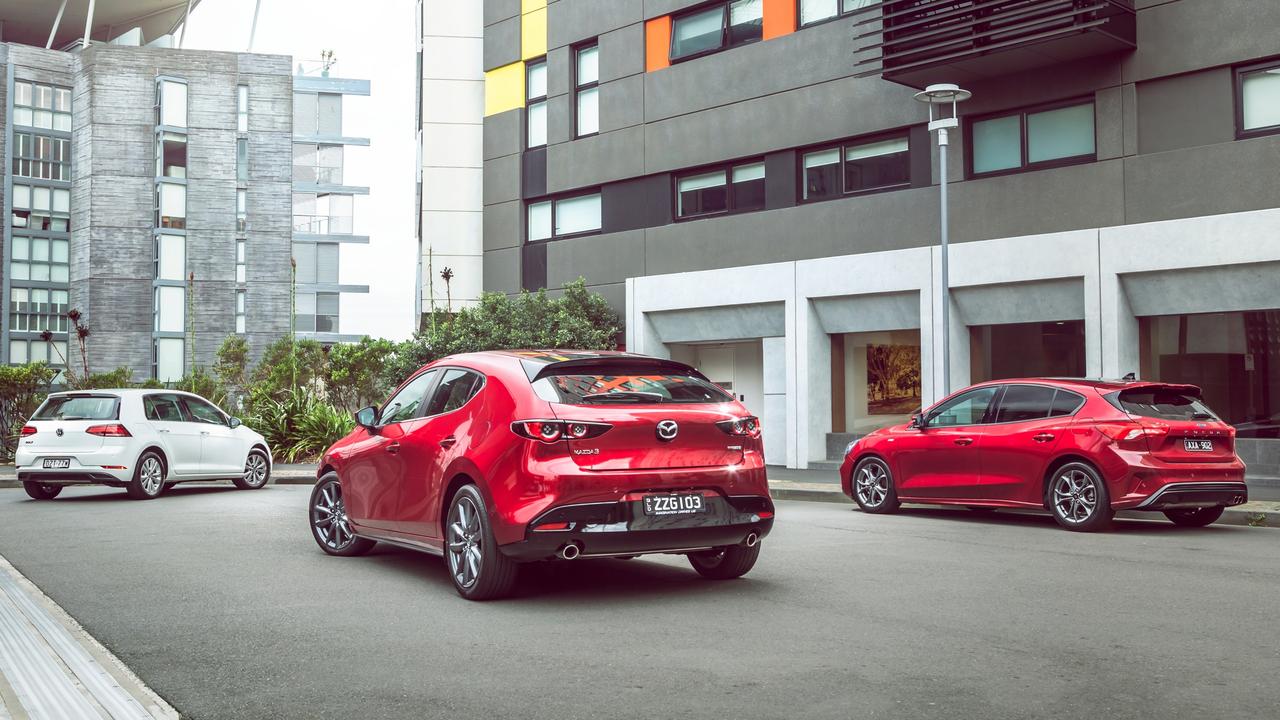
(51, 668)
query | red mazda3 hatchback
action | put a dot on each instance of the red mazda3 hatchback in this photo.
(1082, 449)
(496, 458)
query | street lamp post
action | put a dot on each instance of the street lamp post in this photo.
(938, 98)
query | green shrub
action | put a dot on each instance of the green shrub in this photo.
(357, 373)
(204, 384)
(121, 377)
(298, 426)
(287, 364)
(22, 388)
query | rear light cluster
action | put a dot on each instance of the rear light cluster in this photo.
(112, 430)
(28, 430)
(741, 427)
(1134, 435)
(549, 431)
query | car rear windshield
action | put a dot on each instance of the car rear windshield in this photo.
(1162, 403)
(637, 388)
(79, 407)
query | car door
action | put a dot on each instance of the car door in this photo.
(221, 451)
(1019, 444)
(373, 470)
(430, 448)
(940, 460)
(179, 437)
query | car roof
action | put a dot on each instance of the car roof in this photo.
(1102, 385)
(123, 392)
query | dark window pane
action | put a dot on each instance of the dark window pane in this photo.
(702, 194)
(748, 187)
(1162, 403)
(822, 174)
(697, 32)
(875, 165)
(746, 21)
(1025, 402)
(967, 409)
(1065, 403)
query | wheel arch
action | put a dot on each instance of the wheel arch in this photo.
(463, 472)
(159, 451)
(1056, 464)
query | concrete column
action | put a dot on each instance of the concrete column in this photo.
(1093, 337)
(1118, 329)
(775, 413)
(855, 360)
(813, 384)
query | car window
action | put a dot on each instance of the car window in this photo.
(455, 389)
(1025, 402)
(1162, 403)
(965, 409)
(641, 387)
(163, 408)
(79, 407)
(1065, 402)
(202, 412)
(404, 404)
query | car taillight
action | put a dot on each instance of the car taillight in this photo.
(748, 426)
(1134, 435)
(112, 430)
(28, 430)
(549, 431)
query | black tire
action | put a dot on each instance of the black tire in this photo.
(257, 471)
(476, 566)
(1197, 517)
(725, 563)
(330, 526)
(1078, 498)
(872, 486)
(148, 477)
(41, 491)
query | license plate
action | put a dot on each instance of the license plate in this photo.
(679, 504)
(1198, 445)
(57, 463)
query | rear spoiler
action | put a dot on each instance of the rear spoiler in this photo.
(616, 364)
(1176, 387)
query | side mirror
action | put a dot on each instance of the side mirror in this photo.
(367, 418)
(917, 421)
(234, 422)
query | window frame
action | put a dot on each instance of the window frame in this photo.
(427, 391)
(555, 201)
(842, 147)
(726, 168)
(1239, 72)
(724, 32)
(436, 385)
(578, 88)
(544, 99)
(988, 415)
(1022, 113)
(840, 13)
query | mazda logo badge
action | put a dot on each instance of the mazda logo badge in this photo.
(59, 432)
(667, 430)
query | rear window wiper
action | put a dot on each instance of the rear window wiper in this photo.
(1202, 416)
(624, 396)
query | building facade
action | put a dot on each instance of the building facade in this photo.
(752, 185)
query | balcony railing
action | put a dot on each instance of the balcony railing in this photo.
(916, 42)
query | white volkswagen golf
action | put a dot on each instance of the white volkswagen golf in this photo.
(141, 440)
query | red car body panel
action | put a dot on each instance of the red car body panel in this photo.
(1008, 464)
(403, 495)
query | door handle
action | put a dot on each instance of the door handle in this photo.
(964, 441)
(1042, 437)
(163, 430)
(393, 448)
(448, 442)
(204, 432)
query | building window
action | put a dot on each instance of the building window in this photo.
(242, 108)
(38, 309)
(317, 164)
(1258, 93)
(564, 217)
(854, 167)
(171, 155)
(24, 351)
(41, 208)
(242, 210)
(735, 188)
(536, 103)
(586, 80)
(816, 11)
(323, 213)
(171, 309)
(317, 114)
(42, 106)
(317, 312)
(242, 159)
(37, 156)
(169, 363)
(171, 104)
(171, 257)
(1032, 139)
(240, 324)
(171, 206)
(317, 263)
(717, 27)
(240, 263)
(43, 259)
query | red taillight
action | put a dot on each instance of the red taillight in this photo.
(28, 430)
(549, 431)
(748, 426)
(112, 430)
(1133, 435)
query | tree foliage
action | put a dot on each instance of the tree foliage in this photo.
(357, 374)
(22, 388)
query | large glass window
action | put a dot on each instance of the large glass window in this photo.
(875, 379)
(171, 155)
(38, 309)
(172, 104)
(41, 106)
(242, 210)
(323, 213)
(1259, 91)
(169, 362)
(318, 164)
(1032, 139)
(317, 114)
(37, 156)
(171, 257)
(856, 166)
(171, 206)
(814, 11)
(43, 259)
(586, 82)
(1019, 350)
(41, 208)
(317, 262)
(242, 108)
(717, 27)
(536, 103)
(241, 267)
(317, 312)
(1234, 358)
(171, 309)
(240, 313)
(564, 217)
(737, 188)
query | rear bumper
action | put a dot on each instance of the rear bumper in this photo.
(69, 477)
(621, 528)
(1150, 484)
(1196, 494)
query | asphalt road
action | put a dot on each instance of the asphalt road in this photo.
(221, 602)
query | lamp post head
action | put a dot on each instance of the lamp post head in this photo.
(940, 96)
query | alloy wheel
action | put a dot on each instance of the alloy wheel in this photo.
(873, 484)
(151, 476)
(329, 518)
(1075, 496)
(465, 542)
(255, 470)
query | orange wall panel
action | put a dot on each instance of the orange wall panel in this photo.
(657, 43)
(779, 18)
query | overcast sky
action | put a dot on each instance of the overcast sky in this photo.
(374, 40)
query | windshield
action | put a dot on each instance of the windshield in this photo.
(648, 388)
(1162, 403)
(78, 407)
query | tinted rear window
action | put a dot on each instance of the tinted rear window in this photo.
(647, 388)
(1161, 403)
(79, 407)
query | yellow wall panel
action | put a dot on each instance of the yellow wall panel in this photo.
(528, 6)
(504, 89)
(533, 34)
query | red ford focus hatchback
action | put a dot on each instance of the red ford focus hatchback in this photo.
(1082, 449)
(497, 458)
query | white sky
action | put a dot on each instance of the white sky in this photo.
(375, 43)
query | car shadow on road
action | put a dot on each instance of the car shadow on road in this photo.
(1155, 526)
(110, 494)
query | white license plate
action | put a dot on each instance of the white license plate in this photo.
(57, 463)
(1198, 445)
(678, 504)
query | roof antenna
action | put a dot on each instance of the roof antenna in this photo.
(1129, 377)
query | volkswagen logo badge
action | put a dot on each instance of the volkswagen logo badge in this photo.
(59, 432)
(667, 430)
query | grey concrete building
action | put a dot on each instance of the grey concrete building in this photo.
(147, 187)
(752, 185)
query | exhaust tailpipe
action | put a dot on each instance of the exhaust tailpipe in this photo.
(569, 552)
(753, 538)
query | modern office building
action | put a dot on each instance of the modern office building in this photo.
(326, 201)
(147, 187)
(752, 184)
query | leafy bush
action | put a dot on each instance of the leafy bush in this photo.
(288, 364)
(357, 374)
(204, 384)
(22, 388)
(232, 370)
(121, 377)
(298, 426)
